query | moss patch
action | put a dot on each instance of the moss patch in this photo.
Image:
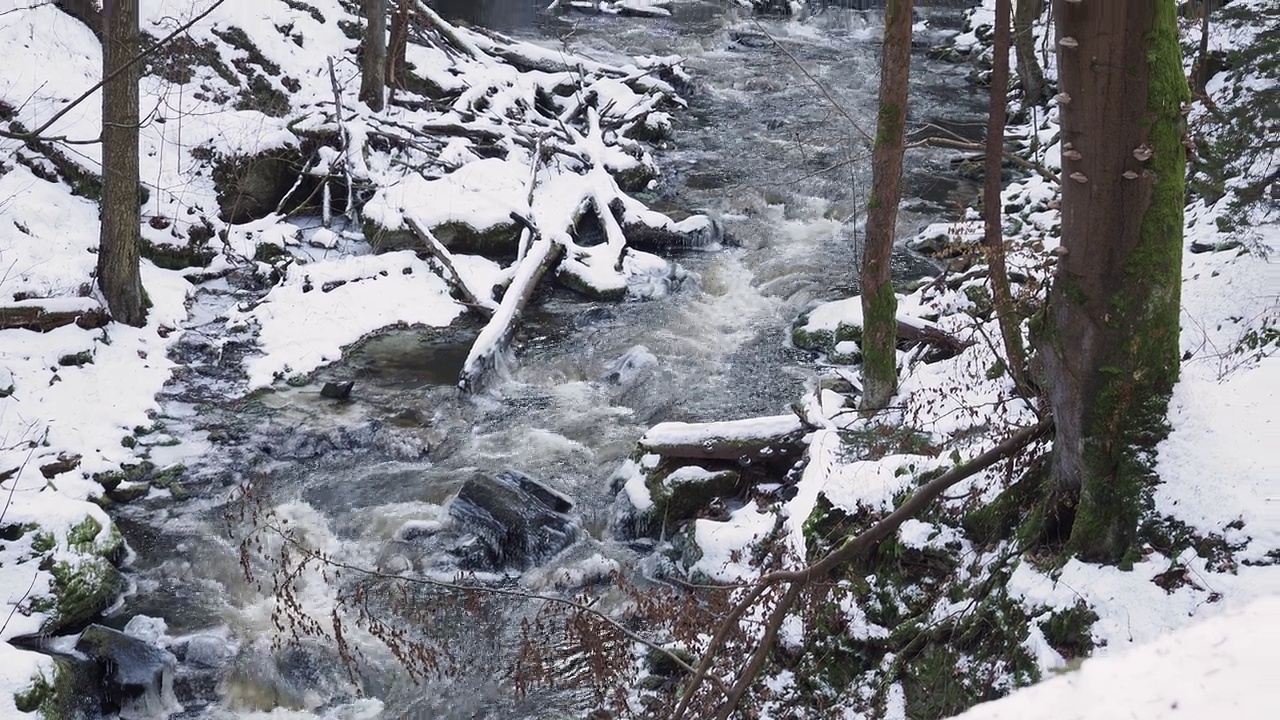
(681, 492)
(1070, 631)
(81, 591)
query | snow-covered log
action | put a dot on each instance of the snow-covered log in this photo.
(543, 254)
(437, 250)
(736, 440)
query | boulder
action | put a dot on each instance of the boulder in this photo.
(630, 366)
(138, 676)
(250, 188)
(510, 521)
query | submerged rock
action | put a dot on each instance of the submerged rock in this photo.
(633, 363)
(337, 390)
(512, 521)
(138, 676)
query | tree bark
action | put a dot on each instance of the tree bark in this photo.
(1202, 60)
(1030, 75)
(86, 11)
(398, 46)
(373, 62)
(120, 238)
(993, 241)
(879, 305)
(1108, 341)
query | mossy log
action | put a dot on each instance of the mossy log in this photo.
(42, 316)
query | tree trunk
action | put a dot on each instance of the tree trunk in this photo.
(993, 242)
(1109, 337)
(1030, 76)
(1202, 61)
(879, 305)
(120, 237)
(399, 43)
(86, 11)
(373, 62)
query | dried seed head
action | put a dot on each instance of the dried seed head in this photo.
(1143, 152)
(1079, 177)
(1129, 175)
(1072, 154)
(1069, 42)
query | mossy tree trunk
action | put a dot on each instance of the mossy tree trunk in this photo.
(373, 61)
(121, 236)
(1030, 75)
(879, 305)
(1109, 338)
(993, 240)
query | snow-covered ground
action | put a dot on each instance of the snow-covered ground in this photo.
(247, 79)
(1221, 667)
(1202, 648)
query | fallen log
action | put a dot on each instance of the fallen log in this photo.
(943, 344)
(543, 255)
(743, 441)
(441, 254)
(45, 314)
(448, 34)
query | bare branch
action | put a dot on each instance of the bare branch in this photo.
(36, 134)
(850, 550)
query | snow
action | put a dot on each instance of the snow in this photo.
(1204, 648)
(681, 433)
(631, 474)
(302, 326)
(1219, 465)
(726, 546)
(1222, 667)
(483, 194)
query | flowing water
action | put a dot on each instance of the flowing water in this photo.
(762, 148)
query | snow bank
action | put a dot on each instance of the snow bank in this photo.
(1219, 668)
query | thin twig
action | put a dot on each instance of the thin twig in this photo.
(492, 590)
(850, 550)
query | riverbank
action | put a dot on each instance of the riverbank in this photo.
(255, 155)
(1220, 546)
(953, 610)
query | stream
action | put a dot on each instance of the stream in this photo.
(369, 480)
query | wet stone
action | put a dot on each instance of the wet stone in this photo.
(138, 675)
(337, 390)
(511, 521)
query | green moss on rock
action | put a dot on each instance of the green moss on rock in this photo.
(69, 691)
(81, 591)
(681, 492)
(496, 241)
(172, 256)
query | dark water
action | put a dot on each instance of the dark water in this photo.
(760, 148)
